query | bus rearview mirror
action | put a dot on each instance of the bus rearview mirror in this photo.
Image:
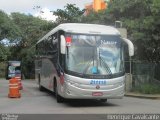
(63, 45)
(130, 46)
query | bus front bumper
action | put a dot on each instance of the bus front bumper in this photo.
(74, 92)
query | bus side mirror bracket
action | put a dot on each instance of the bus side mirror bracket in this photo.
(63, 44)
(130, 46)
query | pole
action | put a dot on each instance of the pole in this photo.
(130, 71)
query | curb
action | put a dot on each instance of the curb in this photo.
(146, 96)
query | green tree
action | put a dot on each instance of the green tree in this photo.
(71, 13)
(4, 53)
(32, 29)
(141, 18)
(7, 28)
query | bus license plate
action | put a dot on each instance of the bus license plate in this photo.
(97, 93)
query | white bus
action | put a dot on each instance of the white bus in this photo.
(82, 61)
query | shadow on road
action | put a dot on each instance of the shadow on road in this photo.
(88, 103)
(83, 102)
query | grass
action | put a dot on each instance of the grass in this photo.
(148, 88)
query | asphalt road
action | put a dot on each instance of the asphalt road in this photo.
(35, 102)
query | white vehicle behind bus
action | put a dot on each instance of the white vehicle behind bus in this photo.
(82, 61)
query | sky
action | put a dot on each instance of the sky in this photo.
(28, 6)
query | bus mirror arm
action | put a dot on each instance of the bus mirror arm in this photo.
(130, 46)
(63, 44)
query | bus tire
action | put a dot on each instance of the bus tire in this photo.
(41, 88)
(103, 100)
(58, 97)
(54, 87)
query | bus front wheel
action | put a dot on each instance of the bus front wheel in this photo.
(58, 97)
(41, 88)
(103, 100)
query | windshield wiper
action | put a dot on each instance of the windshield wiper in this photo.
(105, 65)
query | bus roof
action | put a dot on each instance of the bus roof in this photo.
(83, 29)
(14, 63)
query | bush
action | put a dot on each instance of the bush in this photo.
(2, 69)
(148, 89)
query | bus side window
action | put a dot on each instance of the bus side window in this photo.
(61, 57)
(41, 48)
(54, 47)
(37, 50)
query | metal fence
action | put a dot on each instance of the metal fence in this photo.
(142, 72)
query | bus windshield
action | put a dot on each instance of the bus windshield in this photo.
(94, 54)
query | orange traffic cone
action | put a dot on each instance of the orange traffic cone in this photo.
(13, 88)
(19, 83)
